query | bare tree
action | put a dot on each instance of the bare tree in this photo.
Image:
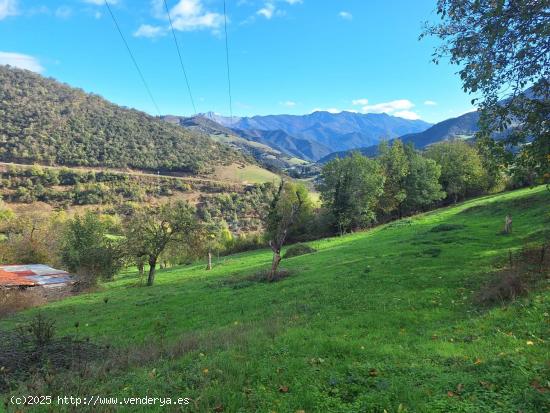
(285, 209)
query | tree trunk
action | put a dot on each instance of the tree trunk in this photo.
(152, 269)
(274, 265)
(209, 265)
(508, 224)
(140, 268)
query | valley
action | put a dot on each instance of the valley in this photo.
(283, 206)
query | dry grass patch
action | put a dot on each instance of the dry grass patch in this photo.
(525, 271)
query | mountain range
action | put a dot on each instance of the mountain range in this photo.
(47, 122)
(464, 126)
(313, 136)
(266, 154)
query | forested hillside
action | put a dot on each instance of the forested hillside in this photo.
(44, 121)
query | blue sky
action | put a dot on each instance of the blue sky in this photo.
(287, 56)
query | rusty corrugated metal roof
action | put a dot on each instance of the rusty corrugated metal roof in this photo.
(32, 275)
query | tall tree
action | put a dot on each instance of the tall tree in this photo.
(462, 172)
(351, 188)
(151, 230)
(87, 250)
(503, 51)
(395, 164)
(286, 209)
(421, 183)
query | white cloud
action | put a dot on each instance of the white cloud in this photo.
(267, 11)
(288, 103)
(401, 108)
(189, 15)
(8, 8)
(360, 102)
(407, 114)
(389, 107)
(21, 61)
(186, 15)
(146, 30)
(430, 103)
(346, 15)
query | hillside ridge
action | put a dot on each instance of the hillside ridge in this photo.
(48, 122)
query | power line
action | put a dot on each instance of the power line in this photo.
(133, 58)
(227, 61)
(181, 59)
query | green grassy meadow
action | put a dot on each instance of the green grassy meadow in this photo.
(249, 174)
(375, 321)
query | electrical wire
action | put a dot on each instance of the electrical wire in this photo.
(180, 57)
(133, 58)
(227, 61)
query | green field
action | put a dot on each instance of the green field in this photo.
(249, 174)
(376, 321)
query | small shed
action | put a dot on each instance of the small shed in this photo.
(33, 275)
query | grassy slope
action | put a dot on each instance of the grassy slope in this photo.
(322, 331)
(248, 174)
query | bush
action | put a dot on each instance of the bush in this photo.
(524, 273)
(42, 330)
(243, 243)
(89, 252)
(507, 285)
(298, 249)
(34, 354)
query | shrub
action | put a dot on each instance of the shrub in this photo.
(42, 330)
(243, 243)
(34, 354)
(505, 286)
(88, 252)
(524, 273)
(299, 249)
